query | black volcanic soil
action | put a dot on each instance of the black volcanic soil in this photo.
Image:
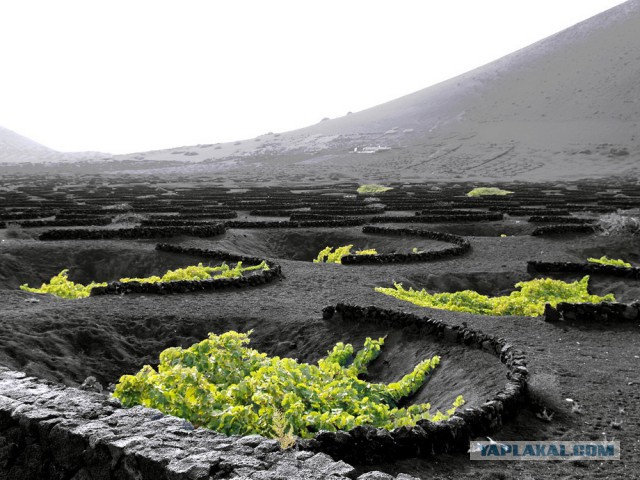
(597, 366)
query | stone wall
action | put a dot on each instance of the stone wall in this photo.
(256, 278)
(134, 233)
(367, 444)
(586, 268)
(563, 229)
(598, 313)
(49, 431)
(346, 222)
(65, 222)
(467, 217)
(460, 247)
(557, 219)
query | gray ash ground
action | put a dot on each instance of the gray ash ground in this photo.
(596, 365)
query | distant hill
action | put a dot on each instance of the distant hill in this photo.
(15, 148)
(18, 150)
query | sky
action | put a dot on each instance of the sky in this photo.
(124, 76)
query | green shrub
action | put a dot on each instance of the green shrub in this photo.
(373, 188)
(200, 272)
(328, 255)
(608, 261)
(367, 251)
(62, 287)
(529, 301)
(223, 385)
(481, 191)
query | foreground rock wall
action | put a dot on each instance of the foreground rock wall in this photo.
(50, 431)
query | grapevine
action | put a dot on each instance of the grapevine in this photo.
(373, 188)
(223, 385)
(329, 255)
(199, 272)
(62, 287)
(528, 301)
(481, 191)
(608, 261)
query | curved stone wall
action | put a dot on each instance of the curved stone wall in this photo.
(460, 247)
(65, 222)
(593, 313)
(563, 229)
(557, 219)
(346, 222)
(134, 233)
(467, 217)
(366, 444)
(586, 268)
(51, 431)
(258, 278)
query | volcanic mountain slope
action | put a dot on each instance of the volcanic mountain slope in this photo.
(565, 107)
(17, 149)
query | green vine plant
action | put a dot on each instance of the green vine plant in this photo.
(222, 384)
(329, 255)
(528, 301)
(62, 287)
(608, 261)
(373, 188)
(482, 191)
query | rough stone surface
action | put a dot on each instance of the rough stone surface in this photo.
(210, 230)
(563, 228)
(375, 476)
(586, 268)
(598, 313)
(48, 431)
(369, 445)
(422, 218)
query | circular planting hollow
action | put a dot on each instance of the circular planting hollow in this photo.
(304, 244)
(134, 233)
(489, 374)
(479, 417)
(509, 227)
(36, 263)
(493, 284)
(459, 246)
(266, 272)
(624, 283)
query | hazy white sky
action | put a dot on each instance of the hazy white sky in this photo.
(134, 75)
